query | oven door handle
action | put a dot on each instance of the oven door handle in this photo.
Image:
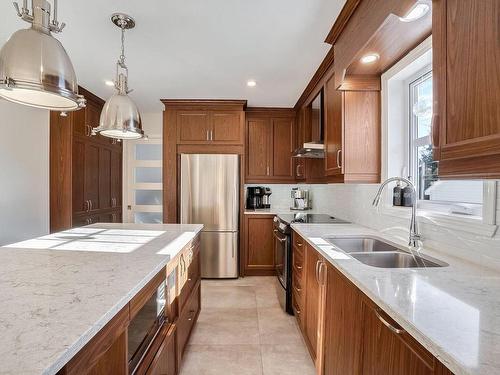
(280, 239)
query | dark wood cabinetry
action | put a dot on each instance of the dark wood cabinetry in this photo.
(466, 84)
(258, 253)
(270, 141)
(85, 170)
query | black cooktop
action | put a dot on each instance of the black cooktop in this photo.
(310, 219)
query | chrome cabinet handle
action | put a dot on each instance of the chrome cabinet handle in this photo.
(298, 267)
(267, 170)
(321, 273)
(397, 331)
(208, 135)
(275, 231)
(211, 135)
(317, 271)
(90, 204)
(339, 152)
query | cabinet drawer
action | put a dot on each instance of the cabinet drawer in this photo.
(187, 319)
(189, 268)
(298, 243)
(297, 306)
(297, 287)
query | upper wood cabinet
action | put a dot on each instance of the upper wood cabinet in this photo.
(466, 75)
(209, 122)
(270, 141)
(333, 128)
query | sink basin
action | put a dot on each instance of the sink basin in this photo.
(394, 260)
(361, 244)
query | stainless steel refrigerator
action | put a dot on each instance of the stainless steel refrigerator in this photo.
(210, 196)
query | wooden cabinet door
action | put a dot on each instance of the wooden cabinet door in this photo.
(78, 177)
(333, 128)
(227, 128)
(343, 326)
(164, 362)
(259, 149)
(116, 178)
(91, 180)
(193, 127)
(312, 300)
(388, 353)
(360, 156)
(186, 321)
(466, 79)
(259, 245)
(283, 146)
(105, 178)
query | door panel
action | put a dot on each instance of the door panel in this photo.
(312, 301)
(260, 243)
(104, 178)
(227, 127)
(116, 178)
(258, 148)
(78, 176)
(193, 127)
(333, 128)
(219, 254)
(343, 326)
(92, 175)
(283, 145)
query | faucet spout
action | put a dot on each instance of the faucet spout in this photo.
(415, 236)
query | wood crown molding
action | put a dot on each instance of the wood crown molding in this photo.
(204, 103)
(342, 19)
(270, 112)
(90, 96)
(325, 65)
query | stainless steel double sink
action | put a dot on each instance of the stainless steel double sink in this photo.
(378, 253)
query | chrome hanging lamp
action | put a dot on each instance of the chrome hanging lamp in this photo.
(35, 69)
(120, 118)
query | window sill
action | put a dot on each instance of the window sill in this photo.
(472, 225)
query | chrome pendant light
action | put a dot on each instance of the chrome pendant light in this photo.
(35, 69)
(120, 118)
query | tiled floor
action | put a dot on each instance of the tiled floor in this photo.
(243, 331)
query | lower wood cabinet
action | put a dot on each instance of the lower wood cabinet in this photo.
(346, 332)
(165, 361)
(258, 254)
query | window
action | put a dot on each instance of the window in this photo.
(459, 197)
(407, 151)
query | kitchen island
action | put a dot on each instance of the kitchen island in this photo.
(60, 290)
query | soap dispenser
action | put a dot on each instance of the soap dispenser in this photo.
(397, 195)
(408, 198)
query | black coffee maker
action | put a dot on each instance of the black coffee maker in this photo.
(255, 196)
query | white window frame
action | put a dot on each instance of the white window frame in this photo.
(485, 226)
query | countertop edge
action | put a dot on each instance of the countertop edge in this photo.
(71, 351)
(439, 352)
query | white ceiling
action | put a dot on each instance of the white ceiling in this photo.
(196, 48)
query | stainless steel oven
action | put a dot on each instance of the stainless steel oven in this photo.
(146, 325)
(282, 259)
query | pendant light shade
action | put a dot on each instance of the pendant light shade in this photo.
(35, 69)
(120, 118)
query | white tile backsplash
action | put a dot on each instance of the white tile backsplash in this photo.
(354, 203)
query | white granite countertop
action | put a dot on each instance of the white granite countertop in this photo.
(452, 311)
(277, 211)
(59, 290)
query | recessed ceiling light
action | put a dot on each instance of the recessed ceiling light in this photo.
(417, 11)
(251, 83)
(368, 59)
(109, 83)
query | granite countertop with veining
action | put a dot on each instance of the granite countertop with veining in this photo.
(452, 311)
(59, 290)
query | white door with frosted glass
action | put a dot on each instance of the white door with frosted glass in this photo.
(144, 188)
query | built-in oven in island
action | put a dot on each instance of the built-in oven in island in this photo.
(147, 323)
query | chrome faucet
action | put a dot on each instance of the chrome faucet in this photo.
(415, 236)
